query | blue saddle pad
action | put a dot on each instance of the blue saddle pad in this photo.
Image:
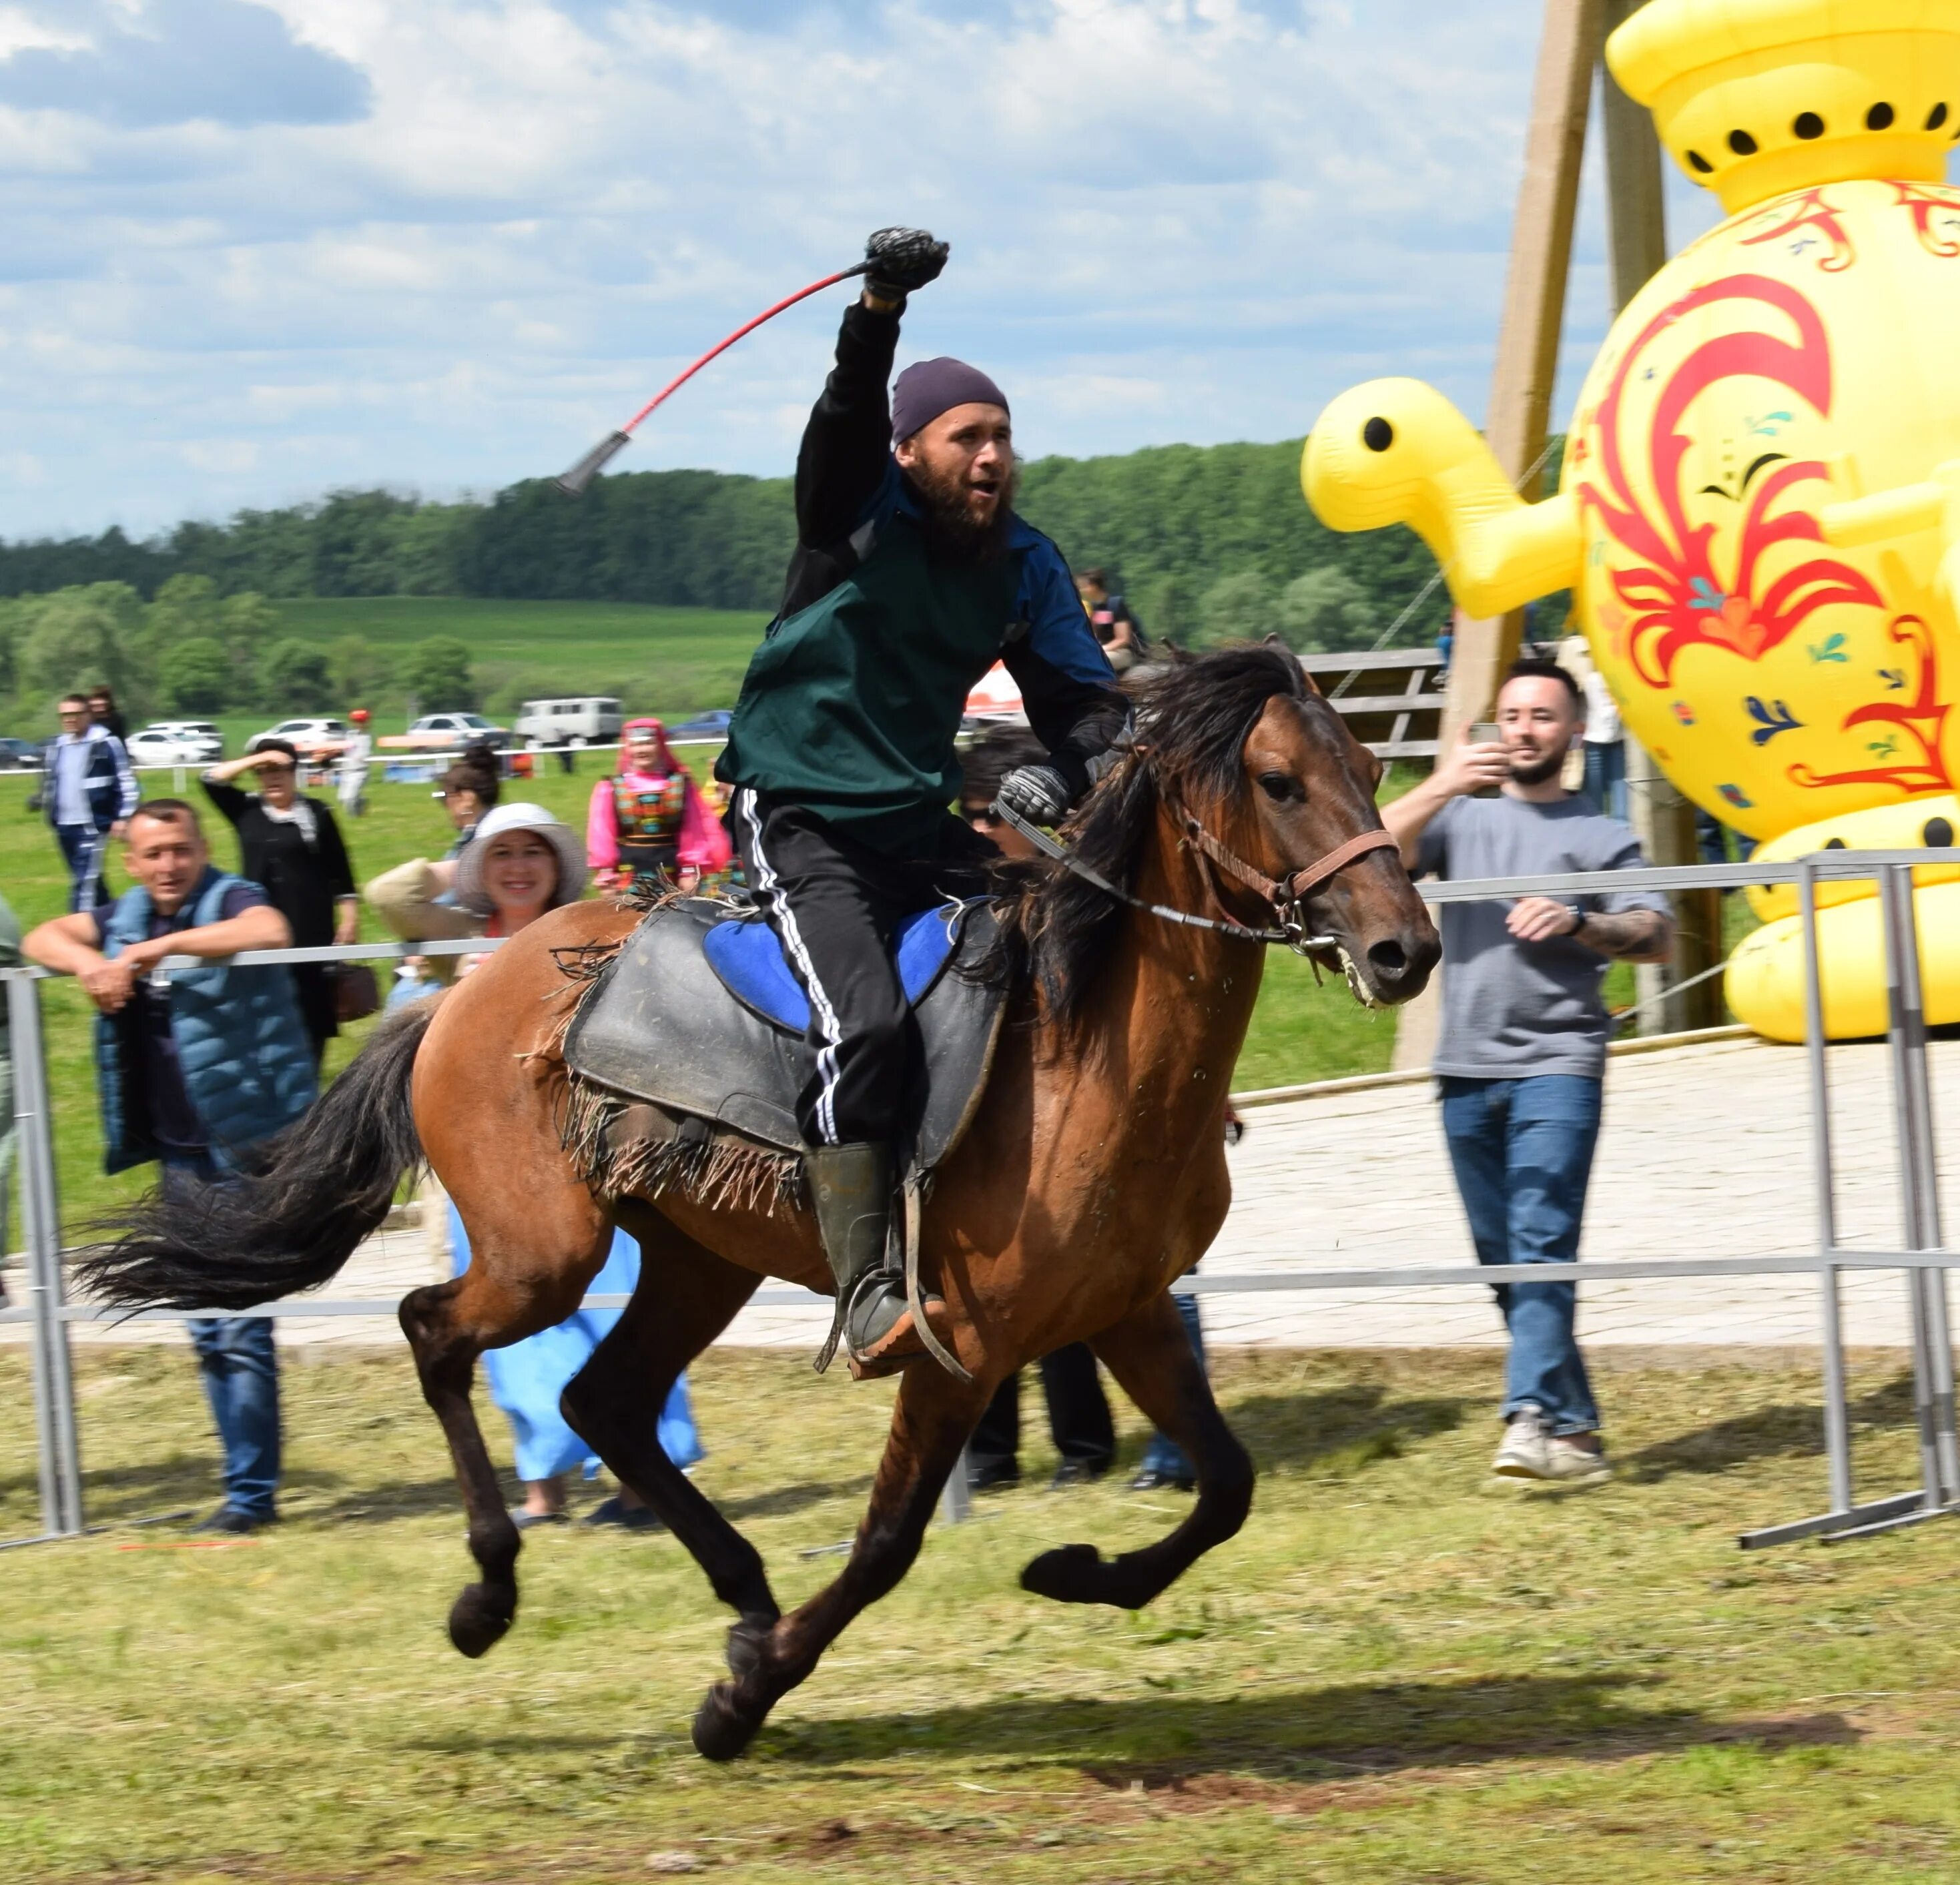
(747, 956)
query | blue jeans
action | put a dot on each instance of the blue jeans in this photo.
(1164, 1455)
(1523, 1151)
(83, 846)
(239, 1364)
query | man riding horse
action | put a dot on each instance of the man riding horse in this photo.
(912, 576)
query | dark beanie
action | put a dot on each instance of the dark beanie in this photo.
(929, 387)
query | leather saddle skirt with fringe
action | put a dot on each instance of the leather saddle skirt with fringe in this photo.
(661, 1026)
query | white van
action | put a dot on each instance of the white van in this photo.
(591, 721)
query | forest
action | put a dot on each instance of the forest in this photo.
(1207, 542)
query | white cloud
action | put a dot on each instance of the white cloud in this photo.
(220, 454)
(484, 229)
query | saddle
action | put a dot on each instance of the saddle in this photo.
(698, 1015)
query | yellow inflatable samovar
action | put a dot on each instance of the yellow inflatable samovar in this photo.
(1759, 515)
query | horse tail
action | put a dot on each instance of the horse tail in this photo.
(295, 1216)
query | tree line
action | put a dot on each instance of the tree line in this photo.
(192, 651)
(1209, 543)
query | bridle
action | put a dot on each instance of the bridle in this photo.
(1287, 896)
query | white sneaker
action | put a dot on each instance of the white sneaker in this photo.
(1525, 1453)
(1572, 1464)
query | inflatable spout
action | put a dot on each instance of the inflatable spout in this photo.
(1396, 451)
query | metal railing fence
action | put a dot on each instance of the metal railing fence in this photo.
(1922, 1256)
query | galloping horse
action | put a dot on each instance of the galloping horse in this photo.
(1093, 1174)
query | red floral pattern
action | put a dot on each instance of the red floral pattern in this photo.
(1810, 210)
(1921, 201)
(1677, 597)
(1922, 720)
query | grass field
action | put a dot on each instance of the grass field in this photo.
(668, 661)
(1301, 1032)
(1399, 1673)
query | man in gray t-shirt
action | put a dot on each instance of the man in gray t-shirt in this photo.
(1523, 1047)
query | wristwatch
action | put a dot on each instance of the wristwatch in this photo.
(1578, 910)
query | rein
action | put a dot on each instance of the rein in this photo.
(1285, 897)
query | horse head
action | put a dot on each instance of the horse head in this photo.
(1259, 777)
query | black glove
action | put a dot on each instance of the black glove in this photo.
(1040, 794)
(898, 261)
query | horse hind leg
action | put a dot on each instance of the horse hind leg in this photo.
(448, 1325)
(930, 1424)
(1150, 1356)
(685, 1297)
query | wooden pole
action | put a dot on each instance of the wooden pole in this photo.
(1521, 387)
(1636, 222)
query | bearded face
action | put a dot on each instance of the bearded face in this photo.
(962, 464)
(963, 525)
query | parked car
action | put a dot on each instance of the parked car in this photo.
(159, 746)
(444, 732)
(712, 725)
(20, 755)
(200, 734)
(313, 738)
(592, 719)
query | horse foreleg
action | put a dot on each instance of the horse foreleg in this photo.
(448, 1325)
(930, 1424)
(1150, 1356)
(685, 1297)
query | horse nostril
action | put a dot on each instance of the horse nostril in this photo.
(1378, 435)
(1387, 959)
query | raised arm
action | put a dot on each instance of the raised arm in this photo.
(1467, 768)
(847, 446)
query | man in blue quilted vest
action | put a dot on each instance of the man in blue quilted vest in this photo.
(911, 577)
(193, 1066)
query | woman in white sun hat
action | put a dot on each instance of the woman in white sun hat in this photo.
(522, 863)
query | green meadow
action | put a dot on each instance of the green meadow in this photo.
(673, 662)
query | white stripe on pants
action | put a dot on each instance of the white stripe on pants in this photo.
(833, 1033)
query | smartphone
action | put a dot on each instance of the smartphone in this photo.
(1486, 732)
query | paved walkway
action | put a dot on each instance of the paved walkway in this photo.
(1706, 1151)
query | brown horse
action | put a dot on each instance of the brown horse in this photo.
(1093, 1174)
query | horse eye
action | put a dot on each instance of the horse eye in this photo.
(1277, 785)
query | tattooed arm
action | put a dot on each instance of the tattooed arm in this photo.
(1629, 936)
(1625, 935)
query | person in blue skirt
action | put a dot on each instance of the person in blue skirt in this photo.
(527, 1378)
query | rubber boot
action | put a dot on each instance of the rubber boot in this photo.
(851, 1186)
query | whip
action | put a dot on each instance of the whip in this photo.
(595, 461)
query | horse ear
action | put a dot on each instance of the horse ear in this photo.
(1286, 648)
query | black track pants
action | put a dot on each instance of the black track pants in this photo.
(1078, 1414)
(835, 903)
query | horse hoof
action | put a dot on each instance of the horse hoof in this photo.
(478, 1617)
(748, 1643)
(722, 1730)
(1071, 1574)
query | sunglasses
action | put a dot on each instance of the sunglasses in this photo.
(979, 815)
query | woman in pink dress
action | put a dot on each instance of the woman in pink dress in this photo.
(649, 817)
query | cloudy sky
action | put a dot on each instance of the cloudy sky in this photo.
(258, 249)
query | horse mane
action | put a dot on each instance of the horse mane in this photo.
(1057, 930)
